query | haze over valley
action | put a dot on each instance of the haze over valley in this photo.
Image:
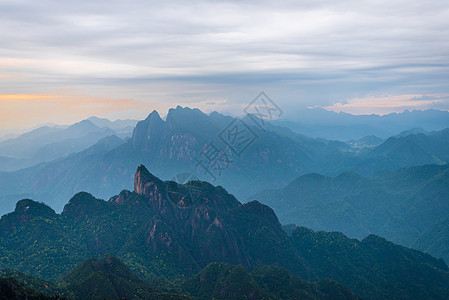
(224, 150)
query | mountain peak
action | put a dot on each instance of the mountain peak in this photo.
(144, 181)
(118, 282)
(154, 115)
(25, 211)
(83, 206)
(184, 113)
(148, 132)
(262, 210)
(84, 124)
(107, 264)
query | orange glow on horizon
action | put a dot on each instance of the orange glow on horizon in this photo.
(24, 110)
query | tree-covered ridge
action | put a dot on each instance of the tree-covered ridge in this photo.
(435, 240)
(146, 230)
(41, 286)
(108, 278)
(372, 267)
(11, 289)
(157, 236)
(223, 281)
(399, 205)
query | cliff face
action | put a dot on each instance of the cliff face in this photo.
(147, 185)
(148, 132)
(203, 224)
(161, 225)
(157, 234)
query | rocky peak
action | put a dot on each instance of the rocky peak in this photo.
(31, 207)
(148, 131)
(26, 210)
(255, 207)
(121, 198)
(145, 182)
(187, 119)
(183, 112)
(153, 117)
(83, 206)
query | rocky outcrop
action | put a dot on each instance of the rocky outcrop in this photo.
(146, 184)
(255, 207)
(83, 205)
(181, 235)
(25, 211)
(148, 132)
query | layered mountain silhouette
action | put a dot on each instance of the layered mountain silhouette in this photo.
(108, 278)
(157, 230)
(407, 150)
(435, 240)
(407, 206)
(175, 145)
(275, 157)
(46, 143)
(321, 123)
(224, 281)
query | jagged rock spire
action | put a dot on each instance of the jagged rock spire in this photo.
(144, 180)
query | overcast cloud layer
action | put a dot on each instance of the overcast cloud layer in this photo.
(70, 59)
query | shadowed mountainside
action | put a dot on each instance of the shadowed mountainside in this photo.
(187, 140)
(171, 230)
(399, 205)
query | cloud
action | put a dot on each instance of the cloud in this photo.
(300, 52)
(393, 103)
(7, 76)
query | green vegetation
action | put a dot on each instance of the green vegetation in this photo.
(11, 289)
(168, 249)
(435, 240)
(109, 278)
(373, 267)
(407, 206)
(223, 281)
(33, 283)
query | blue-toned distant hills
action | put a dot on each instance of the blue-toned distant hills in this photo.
(318, 122)
(48, 143)
(396, 187)
(171, 146)
(408, 206)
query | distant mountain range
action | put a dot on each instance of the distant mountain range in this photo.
(275, 157)
(46, 143)
(122, 127)
(179, 232)
(187, 141)
(320, 123)
(176, 236)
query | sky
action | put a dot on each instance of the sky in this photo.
(62, 61)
